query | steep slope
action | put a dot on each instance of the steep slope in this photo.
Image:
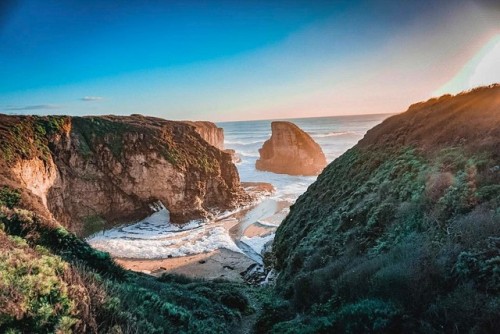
(290, 151)
(90, 171)
(210, 132)
(402, 232)
(53, 282)
(214, 136)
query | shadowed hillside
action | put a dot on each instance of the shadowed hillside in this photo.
(402, 232)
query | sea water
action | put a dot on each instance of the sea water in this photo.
(156, 237)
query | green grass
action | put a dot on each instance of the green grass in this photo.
(93, 130)
(30, 137)
(62, 284)
(9, 197)
(93, 224)
(390, 241)
(32, 288)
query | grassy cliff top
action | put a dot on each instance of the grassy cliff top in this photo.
(26, 137)
(470, 120)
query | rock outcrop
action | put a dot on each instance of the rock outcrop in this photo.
(214, 136)
(290, 151)
(234, 156)
(210, 132)
(87, 171)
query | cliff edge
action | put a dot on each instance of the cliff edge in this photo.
(87, 172)
(210, 132)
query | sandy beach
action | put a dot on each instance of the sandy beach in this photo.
(221, 263)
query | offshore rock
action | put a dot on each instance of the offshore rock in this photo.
(290, 151)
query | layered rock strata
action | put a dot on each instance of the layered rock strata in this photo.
(88, 171)
(210, 132)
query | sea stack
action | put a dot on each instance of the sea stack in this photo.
(290, 151)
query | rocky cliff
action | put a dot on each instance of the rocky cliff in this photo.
(400, 233)
(214, 136)
(90, 171)
(210, 132)
(290, 151)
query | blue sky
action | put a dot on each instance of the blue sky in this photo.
(224, 60)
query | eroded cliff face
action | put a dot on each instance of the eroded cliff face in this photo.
(92, 171)
(210, 132)
(290, 151)
(214, 136)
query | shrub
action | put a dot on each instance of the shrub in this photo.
(368, 316)
(9, 197)
(274, 310)
(33, 294)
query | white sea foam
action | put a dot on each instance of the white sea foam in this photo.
(257, 243)
(248, 154)
(336, 134)
(203, 240)
(156, 237)
(243, 143)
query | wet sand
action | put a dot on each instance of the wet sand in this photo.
(257, 230)
(221, 263)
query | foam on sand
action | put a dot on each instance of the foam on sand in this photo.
(257, 243)
(156, 237)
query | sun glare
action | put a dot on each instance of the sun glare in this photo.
(482, 69)
(487, 70)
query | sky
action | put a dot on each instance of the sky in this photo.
(234, 60)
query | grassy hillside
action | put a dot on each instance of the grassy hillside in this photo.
(402, 232)
(52, 281)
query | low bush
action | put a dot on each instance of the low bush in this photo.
(53, 281)
(9, 197)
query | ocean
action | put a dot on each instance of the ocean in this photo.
(155, 237)
(334, 134)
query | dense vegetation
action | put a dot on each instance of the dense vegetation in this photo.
(159, 134)
(401, 233)
(29, 136)
(52, 281)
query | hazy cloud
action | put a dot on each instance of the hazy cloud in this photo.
(33, 107)
(91, 98)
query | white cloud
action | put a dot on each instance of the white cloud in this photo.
(33, 107)
(92, 98)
